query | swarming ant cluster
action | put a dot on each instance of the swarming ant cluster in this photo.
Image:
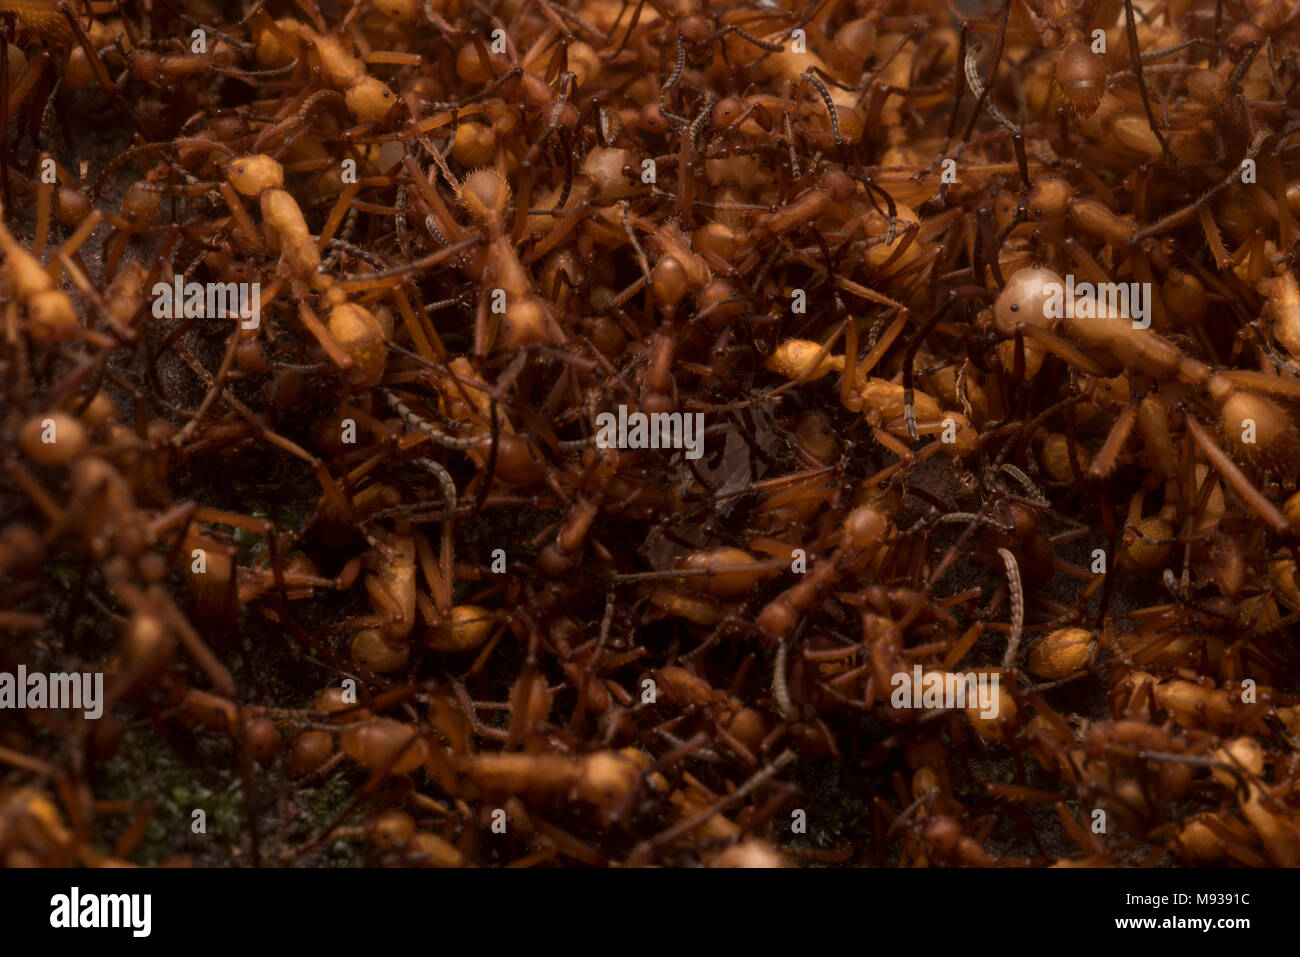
(593, 433)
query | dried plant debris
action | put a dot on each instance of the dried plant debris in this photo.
(592, 433)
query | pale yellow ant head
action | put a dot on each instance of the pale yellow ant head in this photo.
(252, 174)
(370, 100)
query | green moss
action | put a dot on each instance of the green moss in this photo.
(146, 769)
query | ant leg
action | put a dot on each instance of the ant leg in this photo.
(4, 108)
(1088, 267)
(636, 15)
(873, 187)
(1135, 55)
(686, 162)
(313, 11)
(1179, 216)
(592, 112)
(1065, 349)
(1239, 71)
(578, 21)
(1017, 598)
(1285, 221)
(958, 91)
(62, 258)
(1104, 463)
(566, 36)
(989, 245)
(1222, 462)
(909, 360)
(568, 82)
(566, 147)
(16, 94)
(673, 79)
(981, 90)
(101, 74)
(830, 107)
(768, 45)
(558, 65)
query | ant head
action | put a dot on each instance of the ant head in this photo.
(1261, 432)
(485, 194)
(840, 184)
(1051, 197)
(1245, 36)
(228, 125)
(252, 174)
(370, 100)
(727, 111)
(695, 30)
(1024, 299)
(1207, 87)
(650, 119)
(1082, 76)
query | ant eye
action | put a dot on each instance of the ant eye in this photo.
(1014, 307)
